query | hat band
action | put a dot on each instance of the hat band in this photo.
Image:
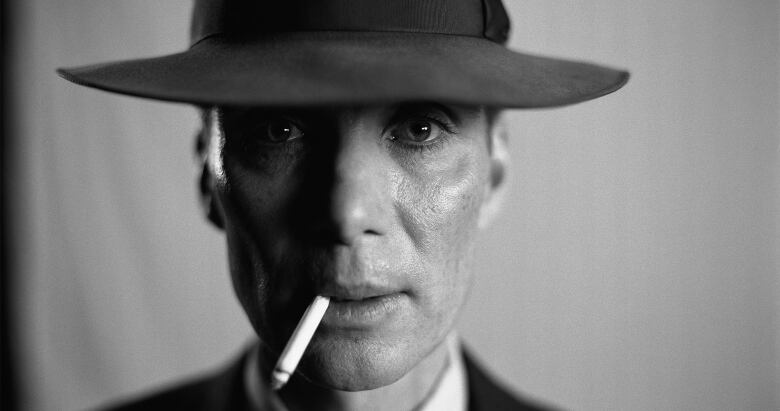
(474, 18)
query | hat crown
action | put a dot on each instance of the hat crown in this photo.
(473, 18)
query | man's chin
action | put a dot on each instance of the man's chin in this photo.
(355, 365)
(348, 382)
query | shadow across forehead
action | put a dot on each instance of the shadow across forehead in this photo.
(238, 114)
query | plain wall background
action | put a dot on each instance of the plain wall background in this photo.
(634, 266)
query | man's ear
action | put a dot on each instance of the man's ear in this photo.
(499, 165)
(208, 201)
(207, 181)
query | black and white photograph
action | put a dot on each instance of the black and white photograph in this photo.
(390, 205)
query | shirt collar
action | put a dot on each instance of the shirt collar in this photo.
(451, 392)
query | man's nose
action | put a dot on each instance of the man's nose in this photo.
(360, 203)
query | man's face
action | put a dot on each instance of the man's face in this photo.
(375, 207)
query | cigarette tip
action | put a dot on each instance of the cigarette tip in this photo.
(279, 379)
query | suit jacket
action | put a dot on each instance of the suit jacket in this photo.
(224, 391)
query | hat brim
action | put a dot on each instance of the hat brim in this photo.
(346, 68)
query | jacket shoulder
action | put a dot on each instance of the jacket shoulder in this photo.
(191, 395)
(222, 390)
(485, 394)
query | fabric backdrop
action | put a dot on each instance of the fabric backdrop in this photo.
(634, 266)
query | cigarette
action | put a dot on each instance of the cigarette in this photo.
(298, 342)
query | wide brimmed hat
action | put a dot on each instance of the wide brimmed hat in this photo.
(346, 52)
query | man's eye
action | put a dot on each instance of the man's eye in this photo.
(280, 131)
(417, 131)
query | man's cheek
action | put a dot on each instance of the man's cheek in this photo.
(440, 205)
(268, 299)
(259, 206)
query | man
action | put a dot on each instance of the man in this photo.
(351, 150)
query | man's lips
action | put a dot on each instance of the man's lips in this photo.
(356, 292)
(363, 311)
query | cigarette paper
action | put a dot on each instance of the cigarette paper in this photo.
(298, 342)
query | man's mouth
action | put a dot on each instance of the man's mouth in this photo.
(364, 311)
(349, 293)
(348, 300)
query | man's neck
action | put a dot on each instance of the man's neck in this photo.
(407, 393)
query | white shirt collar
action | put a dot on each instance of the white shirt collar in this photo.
(450, 394)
